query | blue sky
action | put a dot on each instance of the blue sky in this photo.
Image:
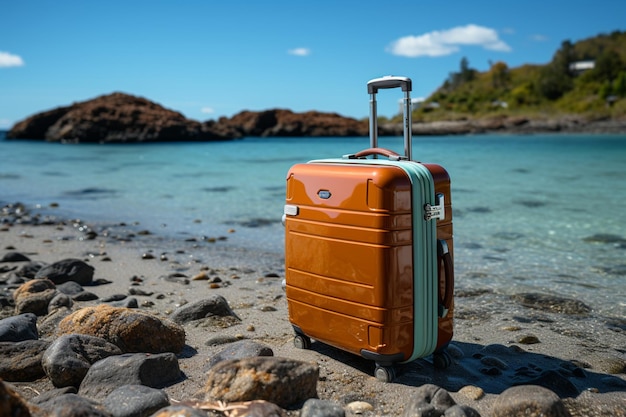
(209, 59)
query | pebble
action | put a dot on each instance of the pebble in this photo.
(472, 392)
(528, 400)
(359, 407)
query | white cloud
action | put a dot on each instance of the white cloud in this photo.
(446, 42)
(299, 51)
(207, 110)
(10, 60)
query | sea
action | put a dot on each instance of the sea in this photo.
(532, 213)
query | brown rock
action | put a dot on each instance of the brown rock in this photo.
(116, 117)
(280, 122)
(130, 329)
(34, 296)
(11, 404)
(282, 381)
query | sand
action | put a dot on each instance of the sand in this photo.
(488, 325)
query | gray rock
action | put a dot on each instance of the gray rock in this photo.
(21, 361)
(239, 350)
(19, 328)
(282, 381)
(14, 257)
(321, 408)
(135, 401)
(70, 288)
(30, 269)
(67, 270)
(69, 357)
(461, 411)
(528, 400)
(215, 305)
(152, 370)
(72, 405)
(60, 300)
(428, 401)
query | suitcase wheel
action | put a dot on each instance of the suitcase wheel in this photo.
(442, 360)
(384, 373)
(302, 341)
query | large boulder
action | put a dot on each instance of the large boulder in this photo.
(116, 117)
(281, 122)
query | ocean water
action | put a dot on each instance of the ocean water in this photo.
(525, 207)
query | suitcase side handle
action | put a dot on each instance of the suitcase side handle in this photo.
(445, 301)
(391, 82)
(393, 156)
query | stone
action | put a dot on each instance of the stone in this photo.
(67, 270)
(19, 328)
(69, 357)
(555, 382)
(528, 400)
(131, 330)
(428, 400)
(21, 361)
(135, 401)
(321, 408)
(14, 257)
(215, 305)
(11, 404)
(117, 118)
(152, 370)
(73, 405)
(239, 350)
(282, 381)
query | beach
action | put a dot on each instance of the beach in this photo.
(499, 341)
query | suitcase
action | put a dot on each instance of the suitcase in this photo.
(368, 251)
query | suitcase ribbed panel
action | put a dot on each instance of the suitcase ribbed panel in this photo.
(425, 319)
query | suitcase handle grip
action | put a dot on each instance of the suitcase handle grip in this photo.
(445, 301)
(378, 151)
(389, 82)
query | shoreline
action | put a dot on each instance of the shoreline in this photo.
(498, 343)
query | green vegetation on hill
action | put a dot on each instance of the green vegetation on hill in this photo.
(539, 91)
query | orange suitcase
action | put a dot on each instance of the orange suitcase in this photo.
(368, 251)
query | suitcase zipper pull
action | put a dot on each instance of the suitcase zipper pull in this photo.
(437, 211)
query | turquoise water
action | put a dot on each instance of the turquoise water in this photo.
(523, 205)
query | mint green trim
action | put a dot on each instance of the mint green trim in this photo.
(424, 256)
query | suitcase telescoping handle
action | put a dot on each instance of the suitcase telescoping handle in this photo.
(391, 82)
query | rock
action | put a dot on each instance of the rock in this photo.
(472, 392)
(359, 407)
(240, 350)
(135, 401)
(555, 382)
(19, 328)
(321, 408)
(14, 257)
(152, 370)
(34, 296)
(528, 400)
(117, 117)
(67, 270)
(69, 357)
(21, 361)
(431, 401)
(72, 405)
(282, 381)
(131, 330)
(552, 304)
(215, 305)
(11, 404)
(280, 122)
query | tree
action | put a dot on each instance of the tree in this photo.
(499, 74)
